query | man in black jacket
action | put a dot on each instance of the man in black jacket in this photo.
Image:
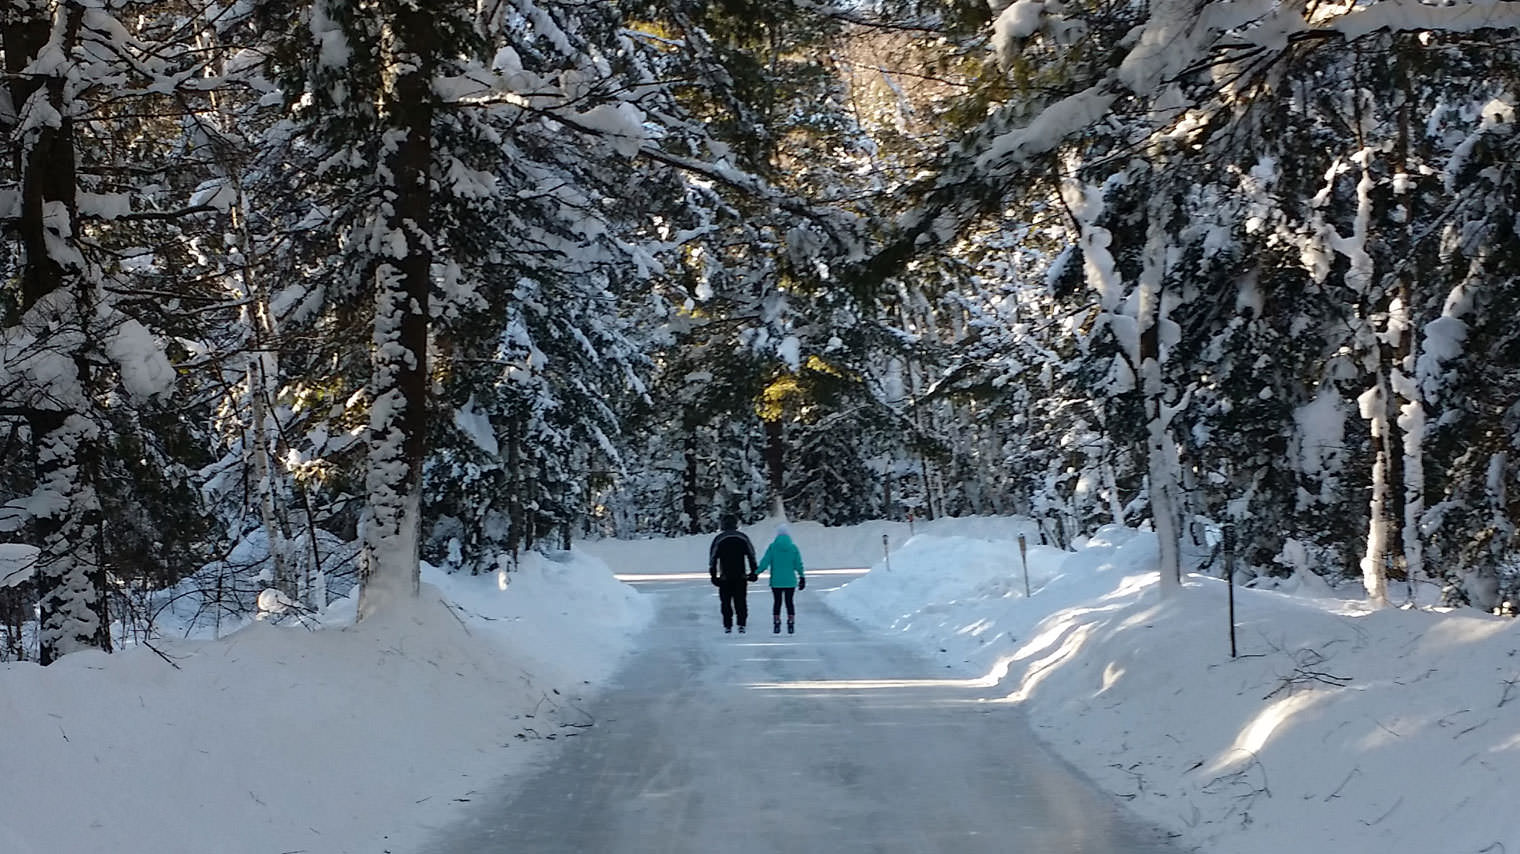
(726, 563)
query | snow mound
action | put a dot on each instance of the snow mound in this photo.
(1336, 728)
(279, 738)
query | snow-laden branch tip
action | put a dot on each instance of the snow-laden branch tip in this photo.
(18, 561)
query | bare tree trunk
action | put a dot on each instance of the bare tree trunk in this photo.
(1410, 424)
(923, 475)
(1393, 384)
(314, 579)
(263, 372)
(1161, 461)
(1412, 415)
(516, 522)
(775, 461)
(1162, 465)
(1374, 408)
(1111, 486)
(398, 420)
(689, 483)
(264, 478)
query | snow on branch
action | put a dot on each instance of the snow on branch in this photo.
(1176, 39)
(1273, 25)
(17, 562)
(1414, 15)
(1047, 130)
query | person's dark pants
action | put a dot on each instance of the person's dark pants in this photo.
(777, 595)
(734, 600)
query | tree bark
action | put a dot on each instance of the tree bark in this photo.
(1374, 408)
(57, 292)
(775, 462)
(398, 420)
(689, 484)
(1162, 464)
(275, 527)
(1411, 418)
(1161, 457)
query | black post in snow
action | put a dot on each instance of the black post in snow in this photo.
(1024, 560)
(1229, 577)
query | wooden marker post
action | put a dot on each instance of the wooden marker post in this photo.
(1024, 561)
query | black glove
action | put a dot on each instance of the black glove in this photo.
(716, 582)
(754, 577)
(801, 582)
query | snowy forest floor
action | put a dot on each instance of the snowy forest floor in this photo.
(1336, 729)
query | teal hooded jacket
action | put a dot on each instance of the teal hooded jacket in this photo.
(784, 561)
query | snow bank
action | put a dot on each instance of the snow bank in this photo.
(1337, 729)
(352, 738)
(953, 592)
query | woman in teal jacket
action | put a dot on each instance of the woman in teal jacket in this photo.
(784, 561)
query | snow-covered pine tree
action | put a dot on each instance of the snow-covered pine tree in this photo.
(359, 80)
(79, 365)
(753, 286)
(44, 353)
(1146, 137)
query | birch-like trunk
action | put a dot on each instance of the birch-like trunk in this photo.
(1376, 404)
(261, 370)
(263, 474)
(397, 429)
(1405, 380)
(1138, 321)
(262, 373)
